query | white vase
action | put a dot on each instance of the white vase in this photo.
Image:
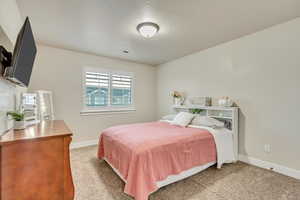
(19, 125)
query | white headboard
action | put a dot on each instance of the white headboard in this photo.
(228, 114)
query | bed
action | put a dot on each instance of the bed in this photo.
(148, 156)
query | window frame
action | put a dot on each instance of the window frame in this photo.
(86, 110)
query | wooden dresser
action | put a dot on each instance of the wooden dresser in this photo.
(35, 163)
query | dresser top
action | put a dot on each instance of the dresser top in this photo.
(44, 129)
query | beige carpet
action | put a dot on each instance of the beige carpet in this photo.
(95, 180)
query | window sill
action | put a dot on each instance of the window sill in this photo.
(108, 111)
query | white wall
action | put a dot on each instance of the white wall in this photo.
(261, 73)
(10, 18)
(60, 71)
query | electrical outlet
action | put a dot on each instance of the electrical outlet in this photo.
(267, 148)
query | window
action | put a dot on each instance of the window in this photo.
(106, 90)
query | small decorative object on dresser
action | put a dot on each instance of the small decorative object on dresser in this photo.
(178, 98)
(18, 118)
(28, 106)
(45, 105)
(225, 102)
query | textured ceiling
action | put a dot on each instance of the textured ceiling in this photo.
(107, 27)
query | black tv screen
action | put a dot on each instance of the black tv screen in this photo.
(23, 56)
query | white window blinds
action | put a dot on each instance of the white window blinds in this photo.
(107, 89)
(121, 89)
(96, 89)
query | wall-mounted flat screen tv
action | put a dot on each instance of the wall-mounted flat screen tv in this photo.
(23, 56)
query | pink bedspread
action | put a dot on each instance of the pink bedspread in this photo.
(149, 152)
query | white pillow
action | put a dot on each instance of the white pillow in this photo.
(169, 117)
(206, 121)
(183, 119)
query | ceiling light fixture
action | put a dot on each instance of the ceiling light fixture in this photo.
(147, 29)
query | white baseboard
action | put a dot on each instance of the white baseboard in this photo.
(271, 166)
(86, 143)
